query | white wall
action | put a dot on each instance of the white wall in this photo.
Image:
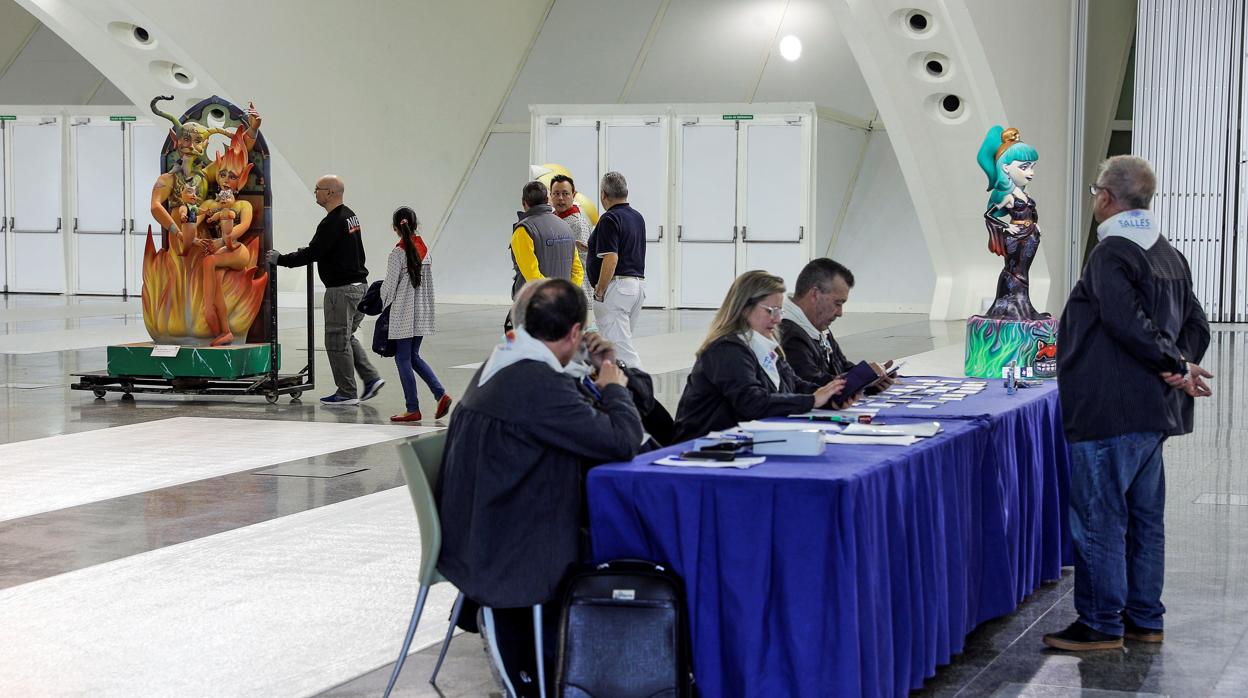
(471, 262)
(881, 241)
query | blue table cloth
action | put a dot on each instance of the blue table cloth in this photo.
(854, 573)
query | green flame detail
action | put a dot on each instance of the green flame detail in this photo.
(992, 344)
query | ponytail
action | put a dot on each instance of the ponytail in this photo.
(405, 220)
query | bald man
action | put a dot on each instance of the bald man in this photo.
(338, 250)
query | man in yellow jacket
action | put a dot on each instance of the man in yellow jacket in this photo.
(543, 246)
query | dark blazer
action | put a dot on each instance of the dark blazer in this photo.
(1131, 316)
(510, 494)
(728, 386)
(808, 357)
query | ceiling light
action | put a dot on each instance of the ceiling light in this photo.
(791, 48)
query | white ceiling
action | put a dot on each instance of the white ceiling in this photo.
(37, 67)
(700, 51)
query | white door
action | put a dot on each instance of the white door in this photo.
(38, 250)
(5, 243)
(706, 221)
(638, 150)
(146, 141)
(99, 206)
(774, 200)
(573, 144)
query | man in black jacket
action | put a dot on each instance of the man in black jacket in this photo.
(510, 494)
(1132, 336)
(338, 250)
(818, 299)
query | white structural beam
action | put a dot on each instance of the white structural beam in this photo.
(936, 145)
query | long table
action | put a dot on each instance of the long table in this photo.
(857, 572)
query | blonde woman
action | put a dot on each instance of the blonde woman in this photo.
(740, 373)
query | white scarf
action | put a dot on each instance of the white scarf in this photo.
(764, 349)
(522, 348)
(1135, 225)
(794, 312)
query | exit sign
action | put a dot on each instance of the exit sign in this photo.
(738, 117)
(122, 118)
(8, 117)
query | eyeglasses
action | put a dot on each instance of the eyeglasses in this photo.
(327, 190)
(1095, 189)
(773, 310)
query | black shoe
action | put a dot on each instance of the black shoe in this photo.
(1139, 634)
(1078, 637)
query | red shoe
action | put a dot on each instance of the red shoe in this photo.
(406, 417)
(444, 406)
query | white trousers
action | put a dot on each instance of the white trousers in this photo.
(616, 315)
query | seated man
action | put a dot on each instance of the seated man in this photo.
(510, 494)
(818, 299)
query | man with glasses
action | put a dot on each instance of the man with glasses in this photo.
(818, 299)
(1133, 334)
(563, 199)
(338, 250)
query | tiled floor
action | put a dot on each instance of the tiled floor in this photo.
(1205, 653)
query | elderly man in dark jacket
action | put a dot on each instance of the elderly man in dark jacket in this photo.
(510, 493)
(1132, 336)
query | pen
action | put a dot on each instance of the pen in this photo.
(839, 419)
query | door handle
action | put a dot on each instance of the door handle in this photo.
(743, 232)
(660, 234)
(679, 232)
(734, 233)
(58, 224)
(801, 232)
(58, 227)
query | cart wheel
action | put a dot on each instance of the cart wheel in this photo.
(127, 397)
(270, 398)
(294, 396)
(100, 393)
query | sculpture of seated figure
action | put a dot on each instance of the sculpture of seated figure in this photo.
(205, 288)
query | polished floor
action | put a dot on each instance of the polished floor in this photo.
(172, 546)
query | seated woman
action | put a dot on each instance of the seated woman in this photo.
(740, 373)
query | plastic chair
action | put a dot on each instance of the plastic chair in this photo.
(421, 460)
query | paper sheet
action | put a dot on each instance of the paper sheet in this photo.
(738, 463)
(920, 429)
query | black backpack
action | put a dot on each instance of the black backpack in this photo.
(624, 633)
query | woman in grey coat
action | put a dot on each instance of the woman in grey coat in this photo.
(408, 291)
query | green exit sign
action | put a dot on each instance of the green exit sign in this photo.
(738, 117)
(122, 118)
(8, 117)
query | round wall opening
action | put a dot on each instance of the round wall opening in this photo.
(930, 66)
(172, 74)
(132, 35)
(947, 108)
(915, 23)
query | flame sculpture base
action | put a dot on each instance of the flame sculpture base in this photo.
(190, 362)
(991, 344)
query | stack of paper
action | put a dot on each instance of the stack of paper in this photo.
(846, 439)
(919, 429)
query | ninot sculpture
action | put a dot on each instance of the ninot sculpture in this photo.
(1012, 330)
(203, 285)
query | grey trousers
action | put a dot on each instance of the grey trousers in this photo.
(346, 354)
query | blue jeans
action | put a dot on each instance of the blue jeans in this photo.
(407, 358)
(1117, 507)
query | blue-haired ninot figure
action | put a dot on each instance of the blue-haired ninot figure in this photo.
(1011, 220)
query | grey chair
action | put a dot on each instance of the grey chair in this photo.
(421, 460)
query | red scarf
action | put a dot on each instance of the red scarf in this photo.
(571, 209)
(421, 249)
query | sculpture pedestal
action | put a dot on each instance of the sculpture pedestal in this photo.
(190, 362)
(991, 344)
